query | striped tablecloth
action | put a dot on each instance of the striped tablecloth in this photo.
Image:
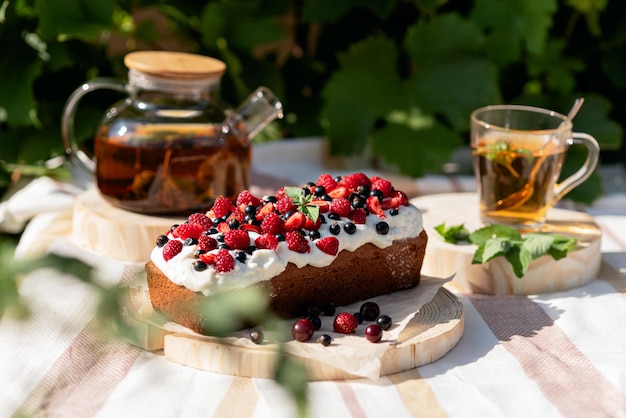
(551, 355)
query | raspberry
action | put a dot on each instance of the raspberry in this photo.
(297, 242)
(358, 216)
(272, 224)
(246, 198)
(222, 207)
(172, 248)
(224, 262)
(280, 193)
(207, 243)
(201, 219)
(266, 242)
(383, 185)
(237, 239)
(329, 245)
(345, 323)
(284, 204)
(341, 207)
(185, 231)
(327, 181)
(352, 181)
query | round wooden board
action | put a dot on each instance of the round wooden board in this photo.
(432, 332)
(101, 227)
(544, 274)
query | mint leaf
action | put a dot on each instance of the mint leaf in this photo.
(303, 201)
(561, 245)
(480, 236)
(495, 247)
(537, 244)
(452, 234)
(520, 259)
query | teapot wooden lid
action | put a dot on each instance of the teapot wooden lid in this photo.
(172, 64)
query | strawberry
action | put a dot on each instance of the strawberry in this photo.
(403, 199)
(398, 198)
(309, 225)
(323, 205)
(222, 207)
(201, 219)
(266, 242)
(251, 228)
(265, 210)
(345, 323)
(246, 198)
(296, 221)
(327, 181)
(208, 258)
(373, 205)
(297, 242)
(340, 192)
(207, 243)
(224, 262)
(185, 231)
(237, 239)
(272, 224)
(352, 181)
(171, 249)
(341, 207)
(383, 185)
(329, 245)
(358, 216)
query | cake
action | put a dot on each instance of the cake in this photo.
(331, 242)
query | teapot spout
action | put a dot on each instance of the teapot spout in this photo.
(256, 112)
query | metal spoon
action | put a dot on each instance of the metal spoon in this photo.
(518, 198)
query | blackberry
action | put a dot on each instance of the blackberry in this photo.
(161, 240)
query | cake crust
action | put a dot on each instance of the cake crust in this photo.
(353, 276)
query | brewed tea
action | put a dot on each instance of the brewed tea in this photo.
(169, 169)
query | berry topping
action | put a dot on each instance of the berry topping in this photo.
(171, 248)
(341, 207)
(353, 181)
(327, 182)
(382, 228)
(334, 228)
(325, 340)
(358, 316)
(302, 330)
(285, 204)
(201, 219)
(358, 216)
(329, 245)
(199, 265)
(384, 321)
(374, 206)
(297, 242)
(383, 185)
(161, 240)
(370, 311)
(224, 262)
(349, 227)
(345, 323)
(237, 239)
(185, 231)
(246, 198)
(256, 336)
(222, 207)
(295, 221)
(373, 333)
(272, 223)
(339, 192)
(266, 242)
(207, 258)
(322, 204)
(316, 321)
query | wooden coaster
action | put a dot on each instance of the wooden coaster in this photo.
(432, 332)
(544, 274)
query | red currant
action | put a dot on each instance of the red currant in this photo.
(302, 330)
(373, 333)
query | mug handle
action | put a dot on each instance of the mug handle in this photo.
(73, 152)
(583, 173)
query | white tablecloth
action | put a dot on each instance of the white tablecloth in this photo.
(551, 355)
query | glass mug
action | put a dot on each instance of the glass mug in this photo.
(518, 153)
(171, 146)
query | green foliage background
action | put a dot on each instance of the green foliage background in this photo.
(396, 79)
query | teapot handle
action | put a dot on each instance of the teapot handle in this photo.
(74, 153)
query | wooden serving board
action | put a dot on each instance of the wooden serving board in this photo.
(544, 274)
(431, 333)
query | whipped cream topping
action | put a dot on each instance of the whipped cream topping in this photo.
(264, 264)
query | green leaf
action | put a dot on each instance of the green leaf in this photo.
(561, 245)
(558, 70)
(495, 247)
(453, 234)
(83, 19)
(480, 236)
(520, 259)
(415, 151)
(19, 108)
(537, 244)
(331, 10)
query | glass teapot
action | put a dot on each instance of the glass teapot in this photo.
(170, 147)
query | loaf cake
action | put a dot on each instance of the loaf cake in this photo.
(331, 242)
